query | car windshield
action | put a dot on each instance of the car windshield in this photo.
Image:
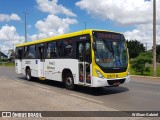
(111, 53)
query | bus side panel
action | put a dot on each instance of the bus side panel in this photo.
(40, 68)
(31, 63)
(18, 67)
(54, 68)
(23, 67)
(49, 69)
(34, 68)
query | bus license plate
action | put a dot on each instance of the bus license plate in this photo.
(117, 83)
(111, 76)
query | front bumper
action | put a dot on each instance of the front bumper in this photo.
(103, 82)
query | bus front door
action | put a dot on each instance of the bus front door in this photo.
(84, 57)
(41, 69)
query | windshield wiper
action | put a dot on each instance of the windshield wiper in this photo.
(107, 45)
(110, 47)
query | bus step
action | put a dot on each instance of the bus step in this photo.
(42, 78)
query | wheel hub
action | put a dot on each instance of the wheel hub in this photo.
(69, 81)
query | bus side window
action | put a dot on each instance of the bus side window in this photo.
(40, 53)
(20, 54)
(68, 49)
(32, 52)
(88, 52)
(17, 54)
(80, 52)
(60, 47)
(26, 51)
(48, 51)
(51, 50)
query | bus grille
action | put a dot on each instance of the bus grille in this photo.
(111, 82)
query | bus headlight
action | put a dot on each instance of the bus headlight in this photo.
(99, 74)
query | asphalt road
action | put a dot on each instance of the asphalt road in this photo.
(141, 94)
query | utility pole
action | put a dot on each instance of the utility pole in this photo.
(25, 25)
(0, 54)
(154, 38)
(85, 25)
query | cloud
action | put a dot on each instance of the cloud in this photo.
(51, 7)
(8, 38)
(144, 34)
(52, 26)
(6, 18)
(122, 12)
(138, 13)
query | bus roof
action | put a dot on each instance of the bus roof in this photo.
(88, 31)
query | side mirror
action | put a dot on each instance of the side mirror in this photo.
(94, 46)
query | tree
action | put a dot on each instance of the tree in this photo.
(3, 57)
(135, 48)
(139, 63)
(11, 55)
(158, 53)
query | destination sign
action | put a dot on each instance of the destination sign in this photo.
(105, 35)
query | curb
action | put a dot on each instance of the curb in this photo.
(145, 76)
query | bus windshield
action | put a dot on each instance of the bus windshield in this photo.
(110, 53)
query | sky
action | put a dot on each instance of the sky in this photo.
(46, 18)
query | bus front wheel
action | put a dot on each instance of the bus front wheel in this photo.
(69, 81)
(28, 74)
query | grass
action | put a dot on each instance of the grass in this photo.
(133, 72)
(7, 64)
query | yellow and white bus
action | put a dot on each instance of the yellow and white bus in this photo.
(94, 58)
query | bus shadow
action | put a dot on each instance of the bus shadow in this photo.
(45, 82)
(101, 91)
(81, 89)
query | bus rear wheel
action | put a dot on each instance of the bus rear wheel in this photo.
(28, 74)
(69, 81)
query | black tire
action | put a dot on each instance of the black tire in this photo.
(28, 74)
(69, 81)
